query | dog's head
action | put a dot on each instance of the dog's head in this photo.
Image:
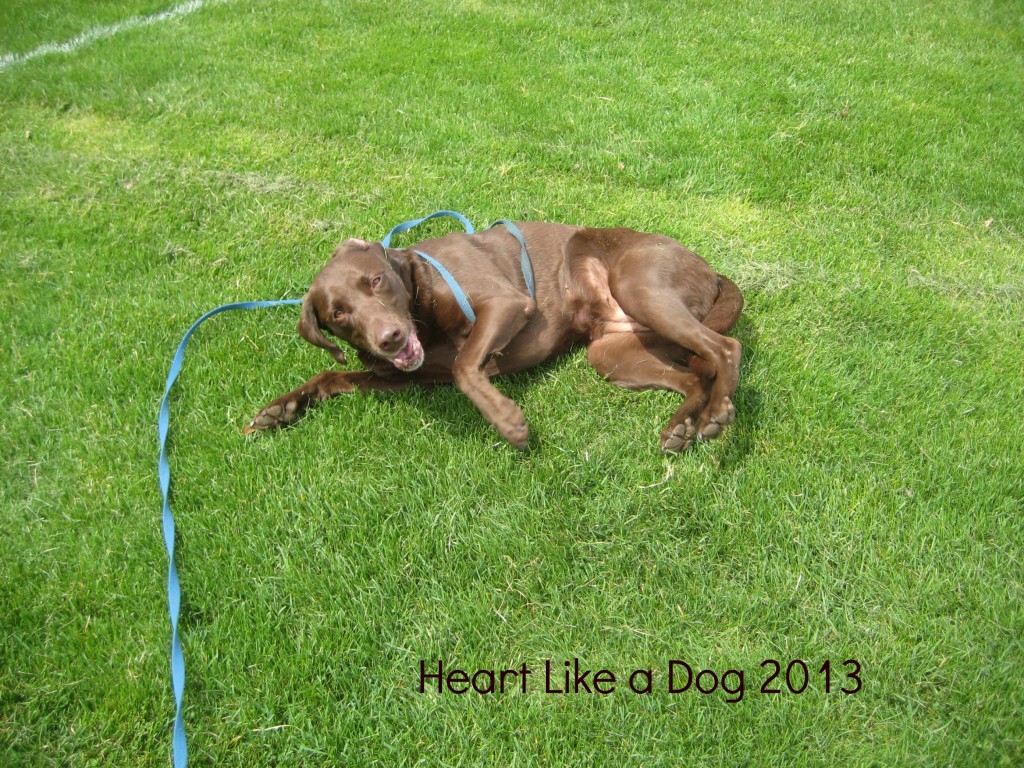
(363, 296)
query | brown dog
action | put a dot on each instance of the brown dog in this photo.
(651, 313)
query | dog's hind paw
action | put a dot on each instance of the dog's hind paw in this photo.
(678, 438)
(712, 424)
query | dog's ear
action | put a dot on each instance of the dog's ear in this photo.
(309, 329)
(401, 261)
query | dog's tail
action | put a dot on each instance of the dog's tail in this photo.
(727, 307)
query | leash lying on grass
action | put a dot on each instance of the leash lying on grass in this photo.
(179, 745)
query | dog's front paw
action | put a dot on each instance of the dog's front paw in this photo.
(512, 426)
(519, 436)
(280, 413)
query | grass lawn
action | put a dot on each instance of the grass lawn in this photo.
(857, 168)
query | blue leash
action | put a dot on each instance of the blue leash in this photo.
(179, 747)
(179, 744)
(405, 226)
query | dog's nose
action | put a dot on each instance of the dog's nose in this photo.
(390, 338)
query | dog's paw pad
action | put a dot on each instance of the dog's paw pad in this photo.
(273, 416)
(679, 437)
(710, 431)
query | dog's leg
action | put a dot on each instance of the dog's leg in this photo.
(497, 323)
(717, 357)
(288, 408)
(647, 363)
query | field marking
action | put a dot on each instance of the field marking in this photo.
(101, 33)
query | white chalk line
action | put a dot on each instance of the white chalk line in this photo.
(100, 33)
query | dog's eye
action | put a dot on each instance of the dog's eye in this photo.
(375, 280)
(340, 315)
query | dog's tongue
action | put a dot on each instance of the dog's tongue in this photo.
(411, 356)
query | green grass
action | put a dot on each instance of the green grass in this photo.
(857, 170)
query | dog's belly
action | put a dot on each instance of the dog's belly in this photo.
(617, 321)
(595, 311)
(543, 339)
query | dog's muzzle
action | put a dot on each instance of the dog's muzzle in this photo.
(410, 357)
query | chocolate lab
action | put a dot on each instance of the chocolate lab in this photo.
(650, 312)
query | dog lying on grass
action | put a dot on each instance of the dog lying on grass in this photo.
(651, 313)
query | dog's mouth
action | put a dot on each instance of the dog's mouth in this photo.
(409, 357)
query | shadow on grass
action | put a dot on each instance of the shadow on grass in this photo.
(445, 407)
(748, 400)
